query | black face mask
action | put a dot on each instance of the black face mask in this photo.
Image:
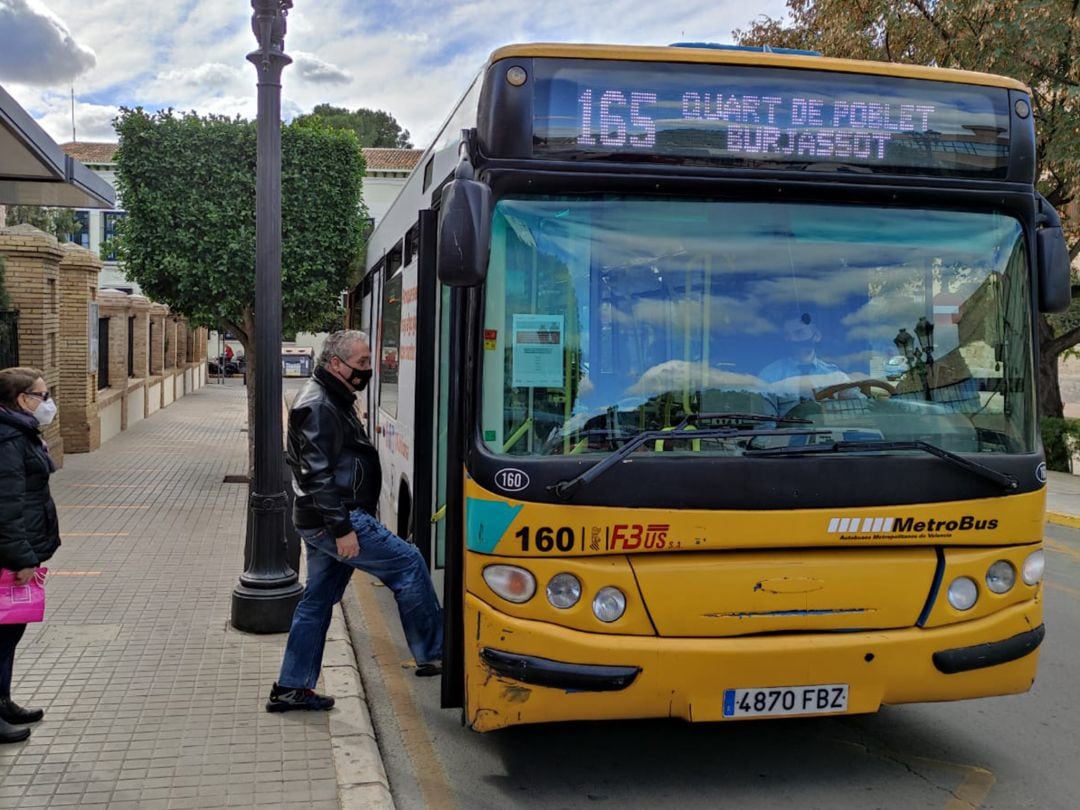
(358, 377)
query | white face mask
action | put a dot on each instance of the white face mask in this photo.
(46, 412)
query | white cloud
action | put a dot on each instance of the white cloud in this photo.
(312, 69)
(212, 74)
(411, 58)
(37, 48)
(93, 122)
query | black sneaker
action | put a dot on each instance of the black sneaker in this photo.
(284, 699)
(429, 669)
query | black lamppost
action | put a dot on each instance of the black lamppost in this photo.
(924, 332)
(921, 359)
(264, 599)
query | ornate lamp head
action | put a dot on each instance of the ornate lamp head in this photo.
(924, 331)
(905, 344)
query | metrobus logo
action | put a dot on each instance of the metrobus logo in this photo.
(906, 525)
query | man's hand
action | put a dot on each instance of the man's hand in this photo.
(27, 574)
(348, 546)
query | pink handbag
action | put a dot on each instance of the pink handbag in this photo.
(22, 604)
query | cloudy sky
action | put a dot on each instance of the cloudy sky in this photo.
(412, 58)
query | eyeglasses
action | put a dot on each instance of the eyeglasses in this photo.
(44, 396)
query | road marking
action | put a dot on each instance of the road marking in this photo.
(974, 788)
(1062, 519)
(430, 775)
(969, 794)
(1061, 548)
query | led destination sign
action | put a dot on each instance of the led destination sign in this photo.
(749, 116)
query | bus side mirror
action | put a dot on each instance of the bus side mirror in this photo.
(464, 233)
(1055, 278)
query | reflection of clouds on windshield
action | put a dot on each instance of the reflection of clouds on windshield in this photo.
(879, 319)
(726, 316)
(854, 360)
(679, 375)
(821, 291)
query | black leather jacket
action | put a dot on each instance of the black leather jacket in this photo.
(29, 530)
(334, 465)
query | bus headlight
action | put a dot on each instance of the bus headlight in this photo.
(564, 591)
(1033, 567)
(510, 582)
(608, 604)
(963, 593)
(1001, 576)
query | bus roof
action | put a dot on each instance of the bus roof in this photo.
(647, 53)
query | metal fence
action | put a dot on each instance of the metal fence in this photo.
(9, 338)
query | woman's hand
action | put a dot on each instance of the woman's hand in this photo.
(25, 575)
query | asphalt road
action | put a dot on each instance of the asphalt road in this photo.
(1013, 752)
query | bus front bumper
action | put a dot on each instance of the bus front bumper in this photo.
(521, 671)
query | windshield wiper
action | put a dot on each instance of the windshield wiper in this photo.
(683, 431)
(1000, 478)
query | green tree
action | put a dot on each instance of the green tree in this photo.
(1034, 42)
(373, 128)
(188, 186)
(60, 222)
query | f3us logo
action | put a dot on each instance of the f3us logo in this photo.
(630, 536)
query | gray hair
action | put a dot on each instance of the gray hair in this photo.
(339, 344)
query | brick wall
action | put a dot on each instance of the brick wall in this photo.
(158, 315)
(140, 308)
(32, 259)
(114, 306)
(80, 424)
(171, 347)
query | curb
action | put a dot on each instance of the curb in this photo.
(361, 778)
(1062, 519)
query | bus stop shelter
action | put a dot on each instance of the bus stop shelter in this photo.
(35, 171)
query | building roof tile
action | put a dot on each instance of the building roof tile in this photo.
(91, 151)
(392, 160)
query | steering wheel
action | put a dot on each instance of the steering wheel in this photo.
(864, 386)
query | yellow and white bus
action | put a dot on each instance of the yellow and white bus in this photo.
(708, 376)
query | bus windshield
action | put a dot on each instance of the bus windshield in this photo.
(607, 316)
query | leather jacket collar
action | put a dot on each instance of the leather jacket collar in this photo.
(340, 393)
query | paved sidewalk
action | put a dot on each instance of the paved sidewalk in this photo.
(1063, 499)
(151, 699)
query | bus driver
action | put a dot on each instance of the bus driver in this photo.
(794, 378)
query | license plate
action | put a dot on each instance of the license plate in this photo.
(769, 701)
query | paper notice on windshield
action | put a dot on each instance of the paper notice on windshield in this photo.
(538, 351)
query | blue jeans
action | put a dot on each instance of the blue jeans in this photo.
(383, 554)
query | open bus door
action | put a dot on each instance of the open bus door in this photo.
(429, 422)
(462, 238)
(438, 450)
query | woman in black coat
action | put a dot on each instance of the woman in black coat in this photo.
(29, 530)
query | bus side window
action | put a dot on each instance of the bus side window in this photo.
(390, 334)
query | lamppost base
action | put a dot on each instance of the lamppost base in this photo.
(264, 610)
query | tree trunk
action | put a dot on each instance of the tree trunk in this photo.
(1049, 386)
